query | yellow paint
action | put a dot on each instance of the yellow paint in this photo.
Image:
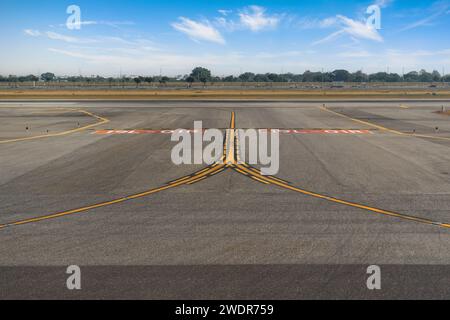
(384, 128)
(101, 121)
(344, 202)
(244, 169)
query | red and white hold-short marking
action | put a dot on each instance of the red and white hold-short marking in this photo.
(281, 131)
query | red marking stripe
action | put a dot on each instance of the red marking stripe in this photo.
(281, 131)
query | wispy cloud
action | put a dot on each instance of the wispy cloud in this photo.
(32, 33)
(225, 12)
(114, 24)
(57, 36)
(355, 29)
(383, 3)
(256, 19)
(138, 44)
(198, 31)
(329, 38)
(69, 39)
(437, 9)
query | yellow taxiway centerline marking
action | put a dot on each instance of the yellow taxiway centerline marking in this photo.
(347, 203)
(108, 203)
(260, 180)
(233, 120)
(197, 180)
(362, 121)
(101, 121)
(241, 172)
(244, 169)
(201, 175)
(384, 128)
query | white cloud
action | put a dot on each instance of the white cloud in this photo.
(383, 3)
(106, 61)
(437, 9)
(353, 28)
(255, 19)
(329, 38)
(198, 30)
(224, 12)
(61, 37)
(115, 24)
(32, 33)
(57, 36)
(359, 29)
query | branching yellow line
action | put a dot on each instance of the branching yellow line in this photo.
(343, 202)
(58, 134)
(193, 179)
(241, 168)
(384, 128)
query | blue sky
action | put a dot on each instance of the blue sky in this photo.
(144, 37)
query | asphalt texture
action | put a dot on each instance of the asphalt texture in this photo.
(228, 235)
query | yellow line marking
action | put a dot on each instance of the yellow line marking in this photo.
(260, 180)
(197, 180)
(217, 172)
(201, 175)
(101, 121)
(200, 172)
(427, 136)
(105, 204)
(404, 106)
(348, 203)
(181, 179)
(233, 121)
(240, 171)
(384, 128)
(278, 179)
(361, 121)
(244, 169)
(231, 145)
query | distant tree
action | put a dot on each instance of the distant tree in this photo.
(229, 79)
(436, 76)
(308, 76)
(411, 76)
(138, 80)
(273, 77)
(261, 78)
(164, 80)
(358, 76)
(340, 75)
(148, 79)
(425, 76)
(48, 76)
(190, 80)
(247, 77)
(201, 75)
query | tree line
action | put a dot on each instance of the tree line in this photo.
(204, 75)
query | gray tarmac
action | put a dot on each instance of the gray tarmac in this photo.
(227, 236)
